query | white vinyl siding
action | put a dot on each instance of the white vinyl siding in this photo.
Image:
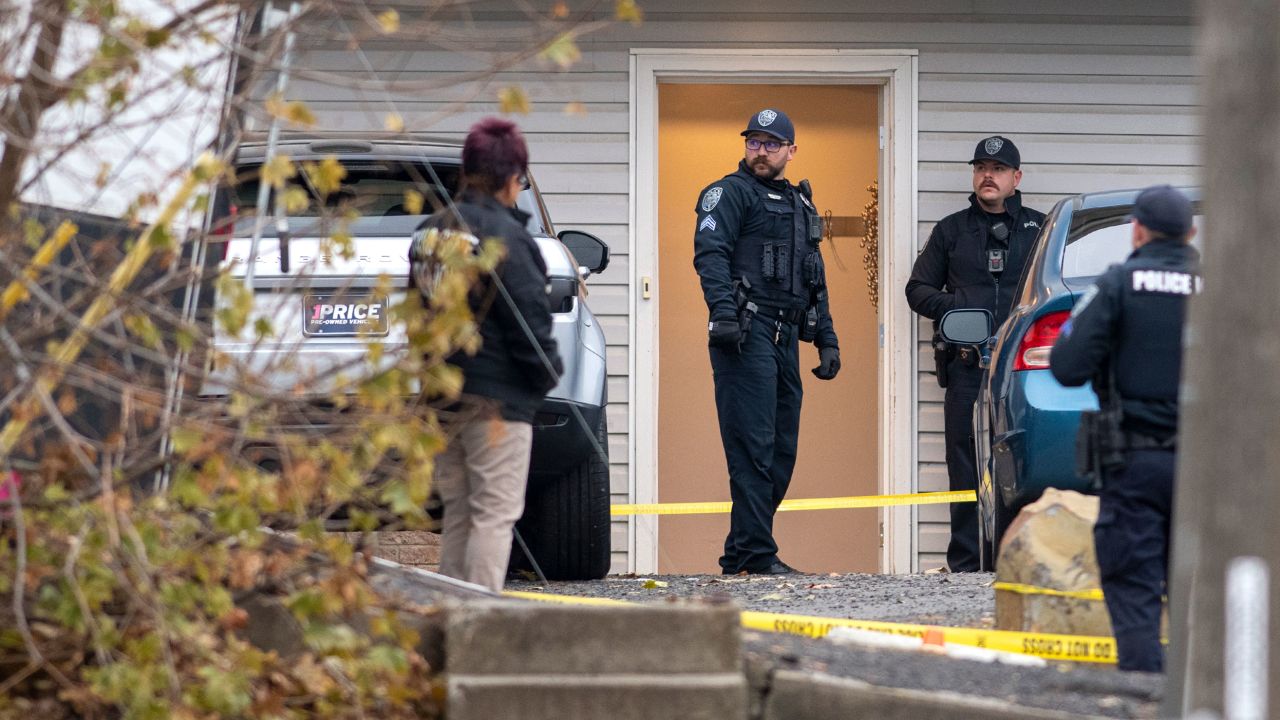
(1097, 95)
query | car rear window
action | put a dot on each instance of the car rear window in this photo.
(377, 188)
(1099, 243)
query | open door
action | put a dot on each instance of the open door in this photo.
(837, 138)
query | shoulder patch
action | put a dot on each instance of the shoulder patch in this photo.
(708, 223)
(1084, 300)
(711, 198)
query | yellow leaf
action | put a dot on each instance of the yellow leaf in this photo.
(513, 100)
(628, 11)
(297, 112)
(295, 200)
(294, 111)
(389, 22)
(562, 51)
(325, 176)
(277, 170)
(413, 202)
(654, 584)
(575, 108)
(393, 122)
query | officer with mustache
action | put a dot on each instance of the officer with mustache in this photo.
(756, 253)
(973, 259)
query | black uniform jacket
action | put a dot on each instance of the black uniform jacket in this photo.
(740, 216)
(507, 368)
(1132, 320)
(951, 272)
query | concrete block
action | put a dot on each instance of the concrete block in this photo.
(805, 696)
(715, 696)
(1050, 545)
(506, 637)
(409, 537)
(419, 555)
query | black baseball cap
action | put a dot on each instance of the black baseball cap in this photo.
(998, 148)
(1164, 209)
(773, 122)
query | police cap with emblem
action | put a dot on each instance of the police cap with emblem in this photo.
(1163, 209)
(999, 149)
(772, 122)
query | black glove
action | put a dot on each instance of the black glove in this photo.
(828, 363)
(724, 334)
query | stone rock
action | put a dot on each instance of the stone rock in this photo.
(1050, 545)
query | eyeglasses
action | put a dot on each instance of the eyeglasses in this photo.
(770, 146)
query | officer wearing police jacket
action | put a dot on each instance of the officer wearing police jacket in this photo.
(756, 253)
(973, 259)
(1125, 335)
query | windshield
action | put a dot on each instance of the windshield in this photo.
(1098, 244)
(374, 189)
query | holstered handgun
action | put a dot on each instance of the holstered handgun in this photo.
(941, 356)
(1100, 441)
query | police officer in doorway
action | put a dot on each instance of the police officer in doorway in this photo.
(973, 259)
(756, 253)
(1125, 335)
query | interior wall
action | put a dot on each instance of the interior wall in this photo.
(837, 143)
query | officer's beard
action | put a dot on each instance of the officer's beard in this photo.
(765, 171)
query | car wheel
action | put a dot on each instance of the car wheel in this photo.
(566, 519)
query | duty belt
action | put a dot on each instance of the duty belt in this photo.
(788, 315)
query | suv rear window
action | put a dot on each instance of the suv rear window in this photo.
(376, 188)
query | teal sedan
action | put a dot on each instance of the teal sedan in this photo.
(1024, 421)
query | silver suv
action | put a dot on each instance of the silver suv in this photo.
(324, 310)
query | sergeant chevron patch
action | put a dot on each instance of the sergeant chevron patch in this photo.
(708, 223)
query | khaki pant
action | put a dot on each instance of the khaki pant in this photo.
(481, 479)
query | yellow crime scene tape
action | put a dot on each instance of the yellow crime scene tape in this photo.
(1019, 588)
(1073, 648)
(836, 503)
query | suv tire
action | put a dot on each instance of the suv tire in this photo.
(566, 520)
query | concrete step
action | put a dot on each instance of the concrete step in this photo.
(706, 696)
(806, 696)
(516, 638)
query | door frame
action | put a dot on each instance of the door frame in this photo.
(896, 71)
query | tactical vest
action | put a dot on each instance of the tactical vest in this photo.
(777, 250)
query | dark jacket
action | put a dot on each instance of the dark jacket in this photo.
(951, 272)
(1132, 320)
(768, 232)
(507, 368)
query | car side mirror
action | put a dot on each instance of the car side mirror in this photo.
(968, 326)
(588, 250)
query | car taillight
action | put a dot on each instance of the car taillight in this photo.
(220, 233)
(1033, 351)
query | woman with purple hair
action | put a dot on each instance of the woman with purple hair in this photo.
(481, 475)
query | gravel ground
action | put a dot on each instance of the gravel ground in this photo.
(962, 599)
(965, 600)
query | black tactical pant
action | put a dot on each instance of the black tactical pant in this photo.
(1132, 543)
(962, 392)
(758, 395)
